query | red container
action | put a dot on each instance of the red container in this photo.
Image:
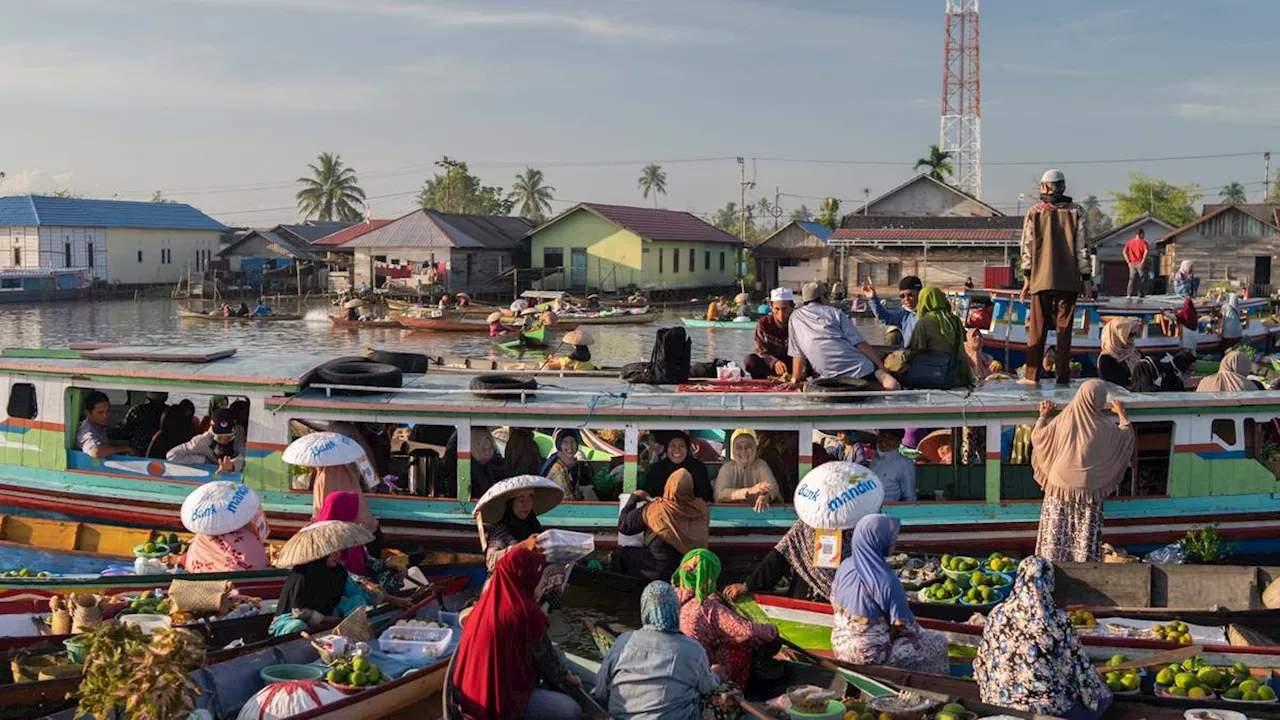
(997, 277)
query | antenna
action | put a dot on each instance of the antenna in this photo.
(961, 133)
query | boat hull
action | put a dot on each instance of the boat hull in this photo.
(716, 325)
(361, 324)
(193, 315)
(616, 319)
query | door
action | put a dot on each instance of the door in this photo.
(1262, 270)
(578, 267)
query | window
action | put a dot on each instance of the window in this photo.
(721, 261)
(553, 257)
(895, 273)
(660, 256)
(693, 260)
(706, 260)
(22, 401)
(89, 250)
(675, 260)
(17, 257)
(66, 254)
(139, 256)
(863, 273)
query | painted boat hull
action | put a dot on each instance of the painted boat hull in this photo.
(193, 315)
(716, 325)
(617, 319)
(341, 322)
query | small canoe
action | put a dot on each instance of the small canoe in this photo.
(342, 322)
(536, 338)
(716, 325)
(187, 314)
(441, 324)
(611, 318)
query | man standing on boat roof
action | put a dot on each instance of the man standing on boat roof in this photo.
(1136, 253)
(825, 339)
(903, 318)
(1056, 270)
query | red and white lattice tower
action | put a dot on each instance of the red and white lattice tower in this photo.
(962, 96)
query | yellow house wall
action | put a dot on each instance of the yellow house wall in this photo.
(186, 248)
(685, 277)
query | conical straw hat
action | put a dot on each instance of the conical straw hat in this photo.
(320, 540)
(353, 303)
(578, 337)
(494, 316)
(546, 495)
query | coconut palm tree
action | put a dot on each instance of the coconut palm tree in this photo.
(829, 212)
(764, 209)
(533, 195)
(332, 192)
(938, 163)
(653, 180)
(726, 218)
(1234, 194)
(802, 214)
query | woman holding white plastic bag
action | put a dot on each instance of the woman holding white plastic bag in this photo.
(507, 517)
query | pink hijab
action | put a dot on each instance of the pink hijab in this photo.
(345, 506)
(1081, 454)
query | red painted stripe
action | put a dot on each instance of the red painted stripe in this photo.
(993, 455)
(464, 454)
(264, 446)
(1199, 448)
(34, 424)
(630, 458)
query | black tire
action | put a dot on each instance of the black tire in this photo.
(412, 363)
(502, 387)
(820, 390)
(368, 374)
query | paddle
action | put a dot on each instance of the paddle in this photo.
(1168, 657)
(592, 707)
(752, 709)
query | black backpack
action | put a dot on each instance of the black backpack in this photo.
(669, 362)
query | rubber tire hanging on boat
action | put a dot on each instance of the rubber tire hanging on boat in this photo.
(412, 363)
(484, 386)
(361, 372)
(820, 390)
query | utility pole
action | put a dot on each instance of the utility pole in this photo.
(866, 201)
(742, 203)
(1266, 177)
(777, 206)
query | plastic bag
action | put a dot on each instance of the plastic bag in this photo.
(1168, 555)
(565, 546)
(729, 371)
(636, 540)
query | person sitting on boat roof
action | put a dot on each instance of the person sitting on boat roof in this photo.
(505, 651)
(770, 358)
(746, 478)
(1232, 376)
(229, 529)
(678, 456)
(262, 309)
(220, 445)
(980, 363)
(510, 511)
(1030, 657)
(580, 357)
(824, 339)
(593, 303)
(672, 524)
(873, 622)
(936, 339)
(143, 420)
(1119, 356)
(1078, 458)
(902, 318)
(1185, 282)
(729, 639)
(364, 560)
(656, 671)
(897, 474)
(563, 467)
(92, 436)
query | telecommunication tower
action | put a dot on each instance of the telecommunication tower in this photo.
(962, 96)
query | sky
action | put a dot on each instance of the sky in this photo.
(223, 103)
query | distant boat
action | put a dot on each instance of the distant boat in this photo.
(719, 324)
(188, 314)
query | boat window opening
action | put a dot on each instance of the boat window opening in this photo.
(950, 465)
(1149, 473)
(1224, 429)
(22, 401)
(779, 449)
(1017, 479)
(175, 427)
(553, 258)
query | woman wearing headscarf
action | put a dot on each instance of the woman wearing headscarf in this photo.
(505, 651)
(937, 330)
(486, 464)
(1232, 323)
(656, 672)
(1232, 375)
(672, 525)
(728, 638)
(1030, 658)
(1185, 282)
(679, 456)
(1078, 458)
(873, 622)
(345, 506)
(517, 527)
(746, 478)
(793, 557)
(521, 452)
(980, 363)
(562, 467)
(1119, 356)
(241, 548)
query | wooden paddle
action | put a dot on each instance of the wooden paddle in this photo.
(592, 707)
(752, 709)
(1168, 657)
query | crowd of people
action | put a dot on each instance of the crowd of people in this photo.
(154, 429)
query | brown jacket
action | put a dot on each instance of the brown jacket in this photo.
(1055, 254)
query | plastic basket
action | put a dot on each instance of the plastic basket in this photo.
(566, 546)
(162, 550)
(420, 641)
(287, 673)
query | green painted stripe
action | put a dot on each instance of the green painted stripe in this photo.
(43, 353)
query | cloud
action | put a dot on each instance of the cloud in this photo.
(63, 179)
(1234, 101)
(20, 182)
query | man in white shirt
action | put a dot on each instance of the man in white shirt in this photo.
(896, 473)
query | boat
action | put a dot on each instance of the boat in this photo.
(442, 324)
(535, 338)
(1208, 480)
(719, 324)
(188, 314)
(342, 322)
(636, 316)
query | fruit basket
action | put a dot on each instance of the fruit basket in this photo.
(158, 550)
(959, 568)
(998, 563)
(930, 595)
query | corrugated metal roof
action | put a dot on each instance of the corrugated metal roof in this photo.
(656, 225)
(930, 222)
(430, 228)
(346, 235)
(313, 230)
(36, 210)
(816, 229)
(873, 234)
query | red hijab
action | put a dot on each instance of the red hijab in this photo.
(345, 506)
(493, 669)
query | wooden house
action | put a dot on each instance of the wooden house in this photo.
(1227, 243)
(795, 254)
(1112, 268)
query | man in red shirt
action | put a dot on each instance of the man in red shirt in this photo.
(1135, 253)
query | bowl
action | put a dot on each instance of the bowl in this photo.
(993, 603)
(285, 673)
(1162, 691)
(75, 649)
(162, 550)
(834, 711)
(949, 601)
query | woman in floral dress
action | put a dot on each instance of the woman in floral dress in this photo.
(873, 622)
(1030, 658)
(728, 638)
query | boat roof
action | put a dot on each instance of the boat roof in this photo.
(544, 294)
(1148, 304)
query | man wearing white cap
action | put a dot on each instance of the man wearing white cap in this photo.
(770, 358)
(1056, 270)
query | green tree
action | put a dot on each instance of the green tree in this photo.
(456, 190)
(726, 218)
(802, 213)
(1171, 203)
(158, 197)
(1234, 194)
(65, 193)
(332, 192)
(829, 212)
(532, 195)
(938, 163)
(653, 179)
(1099, 222)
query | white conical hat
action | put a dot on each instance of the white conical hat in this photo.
(546, 495)
(836, 495)
(219, 507)
(323, 449)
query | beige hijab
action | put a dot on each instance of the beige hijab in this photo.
(740, 474)
(978, 360)
(1117, 343)
(340, 478)
(1232, 375)
(1081, 454)
(679, 517)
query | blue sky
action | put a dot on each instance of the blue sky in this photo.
(221, 103)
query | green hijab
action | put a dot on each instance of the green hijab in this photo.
(933, 303)
(699, 570)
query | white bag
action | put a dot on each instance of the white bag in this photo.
(636, 540)
(729, 371)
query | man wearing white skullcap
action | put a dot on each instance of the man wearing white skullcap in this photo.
(770, 358)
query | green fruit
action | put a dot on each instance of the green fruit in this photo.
(946, 716)
(1266, 693)
(1113, 675)
(946, 561)
(173, 538)
(1197, 692)
(976, 578)
(1165, 677)
(359, 679)
(1250, 696)
(1131, 681)
(1241, 668)
(150, 547)
(1117, 660)
(360, 664)
(1249, 686)
(1209, 676)
(1232, 694)
(987, 594)
(1115, 685)
(1189, 664)
(1175, 690)
(955, 709)
(339, 676)
(1185, 680)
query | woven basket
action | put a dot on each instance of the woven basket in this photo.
(354, 627)
(27, 668)
(60, 672)
(200, 597)
(1271, 596)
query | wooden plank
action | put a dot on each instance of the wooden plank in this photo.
(1232, 587)
(1103, 584)
(160, 354)
(39, 533)
(110, 540)
(41, 353)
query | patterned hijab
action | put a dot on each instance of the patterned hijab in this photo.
(933, 304)
(1030, 658)
(865, 586)
(698, 572)
(797, 547)
(1118, 341)
(660, 607)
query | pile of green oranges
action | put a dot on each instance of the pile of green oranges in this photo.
(1173, 632)
(355, 672)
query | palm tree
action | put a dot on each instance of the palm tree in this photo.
(764, 208)
(829, 212)
(938, 163)
(332, 193)
(1234, 194)
(802, 214)
(653, 180)
(533, 195)
(726, 218)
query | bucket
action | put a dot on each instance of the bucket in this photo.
(147, 622)
(834, 711)
(286, 673)
(75, 649)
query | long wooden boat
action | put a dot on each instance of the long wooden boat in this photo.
(454, 325)
(342, 322)
(1208, 480)
(609, 318)
(718, 324)
(187, 314)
